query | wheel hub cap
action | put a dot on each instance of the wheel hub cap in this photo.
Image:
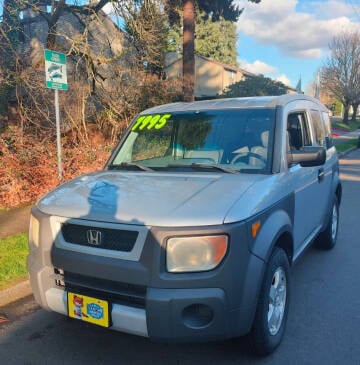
(334, 223)
(277, 301)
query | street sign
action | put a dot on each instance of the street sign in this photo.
(55, 70)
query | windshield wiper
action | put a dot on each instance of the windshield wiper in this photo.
(213, 167)
(130, 166)
(202, 166)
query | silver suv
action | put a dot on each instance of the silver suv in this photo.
(190, 230)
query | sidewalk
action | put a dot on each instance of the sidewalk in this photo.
(14, 221)
(17, 221)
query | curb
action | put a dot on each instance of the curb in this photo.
(16, 292)
(343, 154)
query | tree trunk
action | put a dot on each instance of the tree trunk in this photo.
(355, 108)
(188, 50)
(346, 114)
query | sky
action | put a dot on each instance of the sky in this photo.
(289, 39)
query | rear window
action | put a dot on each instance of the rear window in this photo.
(319, 137)
(327, 124)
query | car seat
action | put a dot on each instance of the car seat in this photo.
(209, 155)
(260, 150)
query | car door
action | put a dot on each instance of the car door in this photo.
(310, 183)
(321, 136)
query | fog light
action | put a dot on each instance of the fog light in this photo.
(197, 315)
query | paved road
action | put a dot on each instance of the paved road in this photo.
(323, 327)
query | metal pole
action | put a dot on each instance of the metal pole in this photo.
(58, 137)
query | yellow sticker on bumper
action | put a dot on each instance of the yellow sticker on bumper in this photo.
(88, 309)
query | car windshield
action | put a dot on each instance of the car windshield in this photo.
(224, 141)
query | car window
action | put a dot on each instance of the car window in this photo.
(297, 131)
(327, 125)
(319, 132)
(236, 139)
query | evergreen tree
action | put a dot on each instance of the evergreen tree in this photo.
(214, 39)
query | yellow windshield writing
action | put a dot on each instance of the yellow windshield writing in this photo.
(156, 121)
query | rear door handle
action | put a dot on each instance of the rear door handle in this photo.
(321, 174)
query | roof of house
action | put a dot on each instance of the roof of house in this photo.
(224, 65)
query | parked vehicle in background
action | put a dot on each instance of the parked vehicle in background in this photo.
(189, 232)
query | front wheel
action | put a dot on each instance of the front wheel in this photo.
(327, 239)
(271, 314)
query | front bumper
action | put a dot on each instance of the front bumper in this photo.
(197, 314)
(212, 305)
(171, 315)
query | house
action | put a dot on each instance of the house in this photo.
(211, 77)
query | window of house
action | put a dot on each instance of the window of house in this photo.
(231, 74)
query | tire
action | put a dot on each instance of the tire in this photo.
(327, 239)
(273, 306)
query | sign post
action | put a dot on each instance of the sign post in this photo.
(56, 78)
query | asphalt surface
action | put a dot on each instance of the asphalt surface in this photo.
(323, 324)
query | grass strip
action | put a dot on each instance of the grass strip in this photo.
(352, 126)
(344, 146)
(13, 252)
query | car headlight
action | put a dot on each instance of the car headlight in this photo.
(191, 254)
(34, 231)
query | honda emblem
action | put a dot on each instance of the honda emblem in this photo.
(94, 237)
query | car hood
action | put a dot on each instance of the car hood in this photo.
(152, 198)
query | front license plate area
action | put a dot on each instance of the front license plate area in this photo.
(88, 309)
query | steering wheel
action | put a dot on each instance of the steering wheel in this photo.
(248, 154)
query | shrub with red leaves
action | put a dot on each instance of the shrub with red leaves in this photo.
(28, 164)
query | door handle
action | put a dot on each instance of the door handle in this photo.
(321, 174)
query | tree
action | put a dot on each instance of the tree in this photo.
(214, 39)
(341, 72)
(225, 9)
(111, 75)
(217, 40)
(9, 40)
(16, 45)
(146, 24)
(188, 49)
(254, 86)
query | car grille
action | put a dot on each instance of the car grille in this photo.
(105, 238)
(113, 291)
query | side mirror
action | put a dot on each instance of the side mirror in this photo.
(308, 156)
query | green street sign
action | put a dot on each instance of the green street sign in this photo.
(55, 70)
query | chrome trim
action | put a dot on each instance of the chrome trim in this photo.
(133, 255)
(306, 243)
